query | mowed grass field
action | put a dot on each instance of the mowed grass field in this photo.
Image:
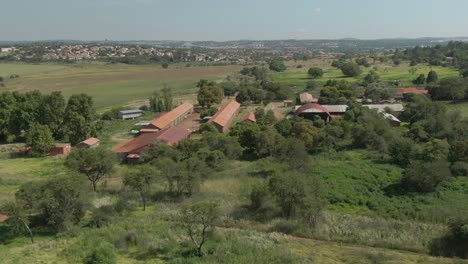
(110, 85)
(298, 76)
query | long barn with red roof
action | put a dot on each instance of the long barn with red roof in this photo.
(132, 149)
(224, 117)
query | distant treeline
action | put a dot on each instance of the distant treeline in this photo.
(454, 54)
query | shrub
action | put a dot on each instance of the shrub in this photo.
(425, 177)
(315, 72)
(351, 69)
(454, 243)
(102, 253)
(459, 168)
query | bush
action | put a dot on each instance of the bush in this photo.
(425, 177)
(459, 168)
(351, 69)
(102, 253)
(315, 72)
(277, 65)
(454, 243)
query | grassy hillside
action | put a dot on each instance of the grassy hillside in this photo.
(109, 85)
(299, 77)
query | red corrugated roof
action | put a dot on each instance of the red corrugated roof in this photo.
(411, 90)
(250, 117)
(226, 113)
(90, 141)
(305, 107)
(171, 136)
(3, 218)
(166, 119)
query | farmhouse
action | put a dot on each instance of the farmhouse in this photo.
(398, 108)
(130, 114)
(326, 112)
(250, 117)
(287, 103)
(171, 118)
(223, 118)
(132, 149)
(60, 149)
(89, 143)
(305, 98)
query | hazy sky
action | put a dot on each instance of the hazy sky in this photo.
(230, 20)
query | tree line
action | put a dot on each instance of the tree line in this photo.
(39, 119)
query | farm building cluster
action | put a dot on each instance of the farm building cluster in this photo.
(63, 149)
(169, 128)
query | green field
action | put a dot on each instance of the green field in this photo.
(110, 85)
(299, 77)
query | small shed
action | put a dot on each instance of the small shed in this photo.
(250, 117)
(287, 103)
(60, 149)
(89, 143)
(130, 114)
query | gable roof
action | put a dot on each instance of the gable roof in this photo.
(381, 107)
(171, 136)
(167, 118)
(131, 111)
(307, 98)
(90, 141)
(412, 90)
(225, 114)
(249, 117)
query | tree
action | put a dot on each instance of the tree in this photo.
(53, 113)
(165, 65)
(167, 97)
(432, 77)
(63, 201)
(362, 61)
(459, 151)
(141, 181)
(425, 177)
(306, 132)
(451, 88)
(80, 118)
(199, 220)
(94, 163)
(351, 69)
(372, 77)
(267, 142)
(401, 151)
(209, 93)
(40, 139)
(420, 80)
(293, 152)
(18, 221)
(315, 72)
(277, 65)
(297, 195)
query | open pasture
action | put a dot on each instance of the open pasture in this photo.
(109, 85)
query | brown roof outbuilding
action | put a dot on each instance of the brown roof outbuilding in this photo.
(173, 117)
(170, 136)
(223, 118)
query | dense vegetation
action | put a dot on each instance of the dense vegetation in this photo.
(233, 198)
